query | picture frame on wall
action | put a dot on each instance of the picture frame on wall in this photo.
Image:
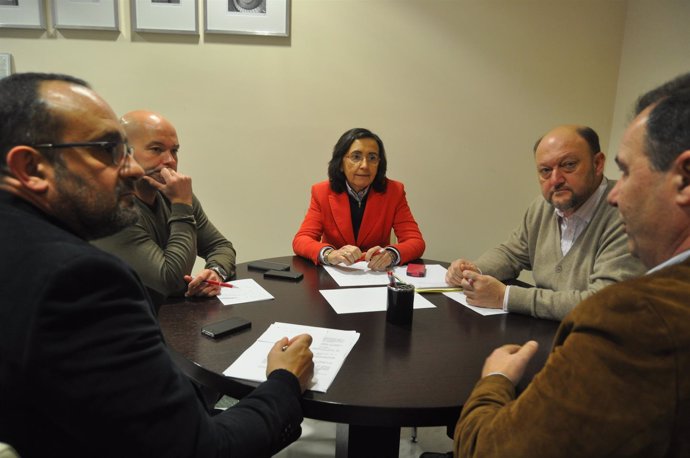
(24, 14)
(86, 14)
(248, 17)
(165, 16)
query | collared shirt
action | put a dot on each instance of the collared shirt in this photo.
(358, 196)
(677, 259)
(572, 226)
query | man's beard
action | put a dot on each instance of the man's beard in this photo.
(92, 214)
(574, 202)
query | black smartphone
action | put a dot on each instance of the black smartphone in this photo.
(283, 274)
(225, 327)
(267, 265)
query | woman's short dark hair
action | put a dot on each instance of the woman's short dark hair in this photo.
(336, 176)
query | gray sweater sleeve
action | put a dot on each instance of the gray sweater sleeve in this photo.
(598, 258)
(160, 268)
(163, 245)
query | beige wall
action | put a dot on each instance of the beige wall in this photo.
(656, 48)
(458, 90)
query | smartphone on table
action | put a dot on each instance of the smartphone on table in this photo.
(225, 327)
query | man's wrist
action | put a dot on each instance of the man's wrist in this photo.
(499, 373)
(222, 274)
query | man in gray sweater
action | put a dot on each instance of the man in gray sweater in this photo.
(173, 228)
(571, 240)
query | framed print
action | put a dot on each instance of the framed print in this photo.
(5, 64)
(165, 16)
(24, 14)
(86, 14)
(249, 17)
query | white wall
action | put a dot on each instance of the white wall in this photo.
(655, 50)
(458, 90)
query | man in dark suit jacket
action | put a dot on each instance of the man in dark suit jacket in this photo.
(84, 370)
(618, 380)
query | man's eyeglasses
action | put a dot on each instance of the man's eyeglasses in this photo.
(118, 150)
(356, 157)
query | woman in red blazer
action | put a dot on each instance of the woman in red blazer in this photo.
(351, 215)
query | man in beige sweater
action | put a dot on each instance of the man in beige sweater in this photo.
(617, 382)
(571, 240)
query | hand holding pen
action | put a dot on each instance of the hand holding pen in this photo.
(220, 283)
(347, 255)
(204, 284)
(379, 258)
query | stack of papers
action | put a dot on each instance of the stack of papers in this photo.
(246, 290)
(357, 300)
(358, 274)
(329, 346)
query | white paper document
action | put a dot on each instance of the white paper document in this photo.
(358, 300)
(329, 346)
(435, 276)
(358, 274)
(460, 297)
(246, 290)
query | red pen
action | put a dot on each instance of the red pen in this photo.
(361, 258)
(391, 278)
(218, 283)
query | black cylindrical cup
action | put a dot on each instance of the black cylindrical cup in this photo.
(400, 302)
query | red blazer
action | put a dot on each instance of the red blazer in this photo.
(328, 223)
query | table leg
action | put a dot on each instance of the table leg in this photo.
(355, 441)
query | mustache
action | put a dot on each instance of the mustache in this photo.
(125, 187)
(561, 187)
(153, 171)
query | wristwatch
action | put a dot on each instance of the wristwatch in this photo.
(220, 271)
(325, 254)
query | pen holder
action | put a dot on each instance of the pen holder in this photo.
(399, 306)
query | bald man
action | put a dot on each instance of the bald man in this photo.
(172, 229)
(571, 240)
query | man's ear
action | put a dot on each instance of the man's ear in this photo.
(682, 179)
(29, 167)
(599, 162)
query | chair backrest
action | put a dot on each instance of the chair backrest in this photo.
(6, 451)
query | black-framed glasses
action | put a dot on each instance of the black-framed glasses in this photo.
(118, 150)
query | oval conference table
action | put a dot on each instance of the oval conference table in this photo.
(393, 377)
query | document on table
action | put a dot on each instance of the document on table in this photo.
(358, 300)
(246, 290)
(460, 297)
(358, 274)
(329, 346)
(435, 277)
